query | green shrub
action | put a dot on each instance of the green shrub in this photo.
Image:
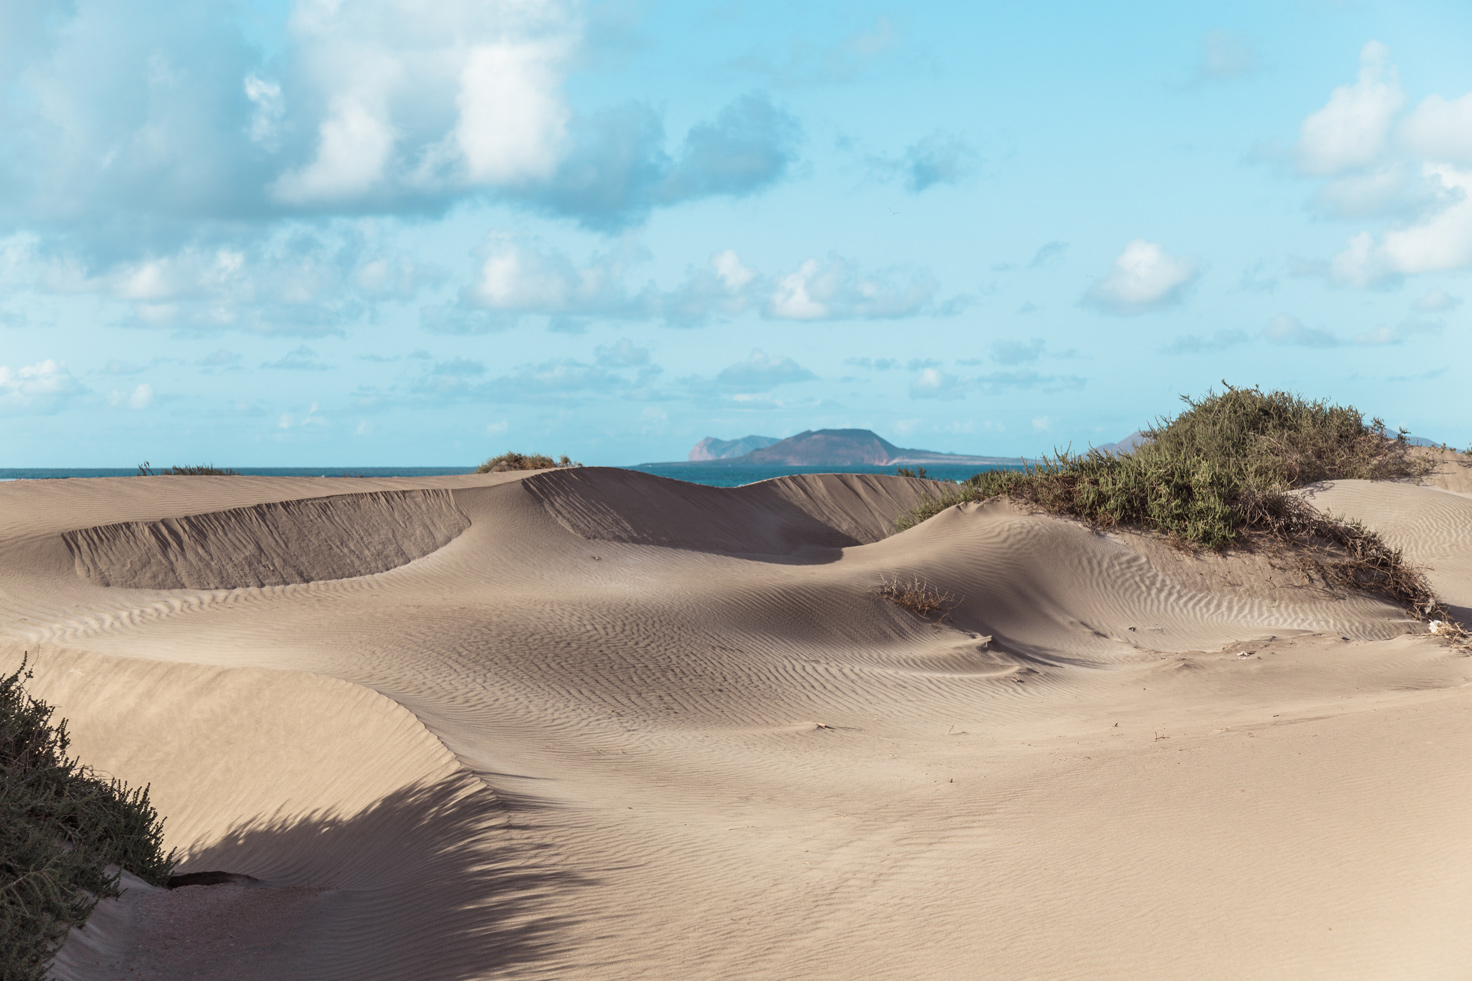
(524, 461)
(202, 470)
(1218, 474)
(61, 829)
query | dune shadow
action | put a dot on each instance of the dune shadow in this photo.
(434, 881)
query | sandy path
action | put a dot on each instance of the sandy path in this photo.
(560, 747)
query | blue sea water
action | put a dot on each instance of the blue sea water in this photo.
(54, 473)
(727, 475)
(712, 474)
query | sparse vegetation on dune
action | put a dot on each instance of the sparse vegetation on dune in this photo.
(1220, 475)
(202, 470)
(524, 461)
(918, 596)
(64, 832)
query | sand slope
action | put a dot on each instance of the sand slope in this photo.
(621, 726)
(269, 544)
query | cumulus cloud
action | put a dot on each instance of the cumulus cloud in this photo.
(138, 128)
(1049, 253)
(935, 383)
(523, 277)
(622, 353)
(1441, 129)
(1288, 330)
(762, 372)
(518, 276)
(140, 397)
(297, 280)
(940, 158)
(1437, 301)
(513, 120)
(557, 380)
(1016, 352)
(1439, 242)
(1351, 129)
(1421, 181)
(1144, 278)
(300, 358)
(837, 289)
(42, 387)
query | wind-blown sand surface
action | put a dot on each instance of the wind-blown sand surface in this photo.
(597, 724)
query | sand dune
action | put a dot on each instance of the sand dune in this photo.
(269, 544)
(620, 726)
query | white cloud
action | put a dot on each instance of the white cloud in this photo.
(353, 148)
(521, 277)
(837, 289)
(140, 398)
(1443, 241)
(1437, 301)
(1351, 130)
(793, 300)
(1288, 330)
(1440, 242)
(512, 120)
(268, 108)
(1144, 278)
(41, 387)
(932, 383)
(761, 372)
(728, 267)
(1441, 129)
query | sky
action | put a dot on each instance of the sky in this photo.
(398, 233)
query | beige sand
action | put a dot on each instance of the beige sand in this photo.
(594, 724)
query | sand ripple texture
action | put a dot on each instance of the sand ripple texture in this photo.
(269, 544)
(599, 724)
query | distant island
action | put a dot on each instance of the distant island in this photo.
(711, 448)
(827, 448)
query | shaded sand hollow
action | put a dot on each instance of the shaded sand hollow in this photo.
(597, 724)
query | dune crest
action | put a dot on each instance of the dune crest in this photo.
(270, 544)
(771, 517)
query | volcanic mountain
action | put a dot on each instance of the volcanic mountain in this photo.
(849, 447)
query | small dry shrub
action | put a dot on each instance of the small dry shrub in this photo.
(918, 596)
(524, 461)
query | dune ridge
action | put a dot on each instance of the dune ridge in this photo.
(774, 517)
(269, 544)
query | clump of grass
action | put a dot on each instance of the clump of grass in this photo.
(919, 473)
(918, 596)
(63, 833)
(524, 461)
(1219, 475)
(202, 470)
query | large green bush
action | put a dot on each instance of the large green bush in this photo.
(64, 832)
(1219, 474)
(1207, 476)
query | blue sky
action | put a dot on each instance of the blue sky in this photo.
(384, 232)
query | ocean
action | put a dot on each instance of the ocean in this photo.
(727, 475)
(712, 474)
(56, 473)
